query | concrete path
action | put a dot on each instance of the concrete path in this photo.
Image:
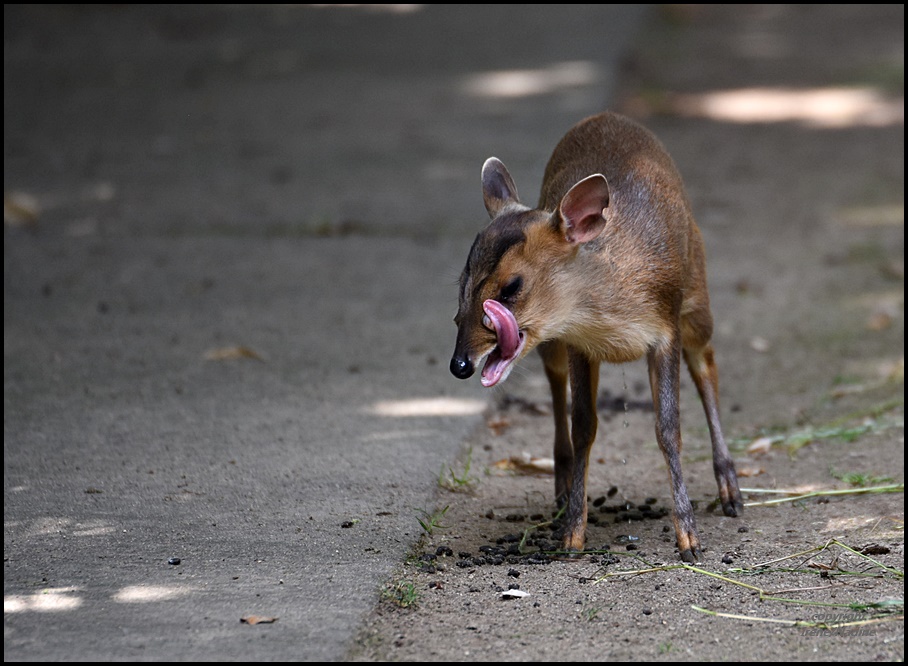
(232, 236)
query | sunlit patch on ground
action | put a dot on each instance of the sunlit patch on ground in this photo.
(827, 108)
(514, 83)
(45, 601)
(146, 593)
(427, 407)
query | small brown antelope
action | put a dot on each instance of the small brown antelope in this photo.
(609, 267)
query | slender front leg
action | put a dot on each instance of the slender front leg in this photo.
(664, 375)
(584, 421)
(703, 371)
(555, 360)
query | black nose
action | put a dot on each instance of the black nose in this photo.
(461, 367)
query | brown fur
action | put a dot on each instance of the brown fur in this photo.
(613, 269)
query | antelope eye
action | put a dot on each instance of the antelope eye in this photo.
(510, 289)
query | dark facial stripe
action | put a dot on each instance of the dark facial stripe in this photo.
(492, 243)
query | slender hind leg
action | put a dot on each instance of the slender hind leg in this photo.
(664, 376)
(702, 366)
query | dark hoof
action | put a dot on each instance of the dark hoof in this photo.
(733, 508)
(691, 556)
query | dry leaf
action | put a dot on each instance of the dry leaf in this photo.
(879, 321)
(526, 464)
(749, 470)
(258, 619)
(498, 425)
(20, 209)
(760, 447)
(231, 353)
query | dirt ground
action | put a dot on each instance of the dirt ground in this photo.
(801, 203)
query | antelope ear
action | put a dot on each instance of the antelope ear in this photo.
(582, 209)
(498, 189)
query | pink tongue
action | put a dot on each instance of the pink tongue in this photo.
(498, 364)
(505, 328)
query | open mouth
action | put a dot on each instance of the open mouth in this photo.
(511, 341)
